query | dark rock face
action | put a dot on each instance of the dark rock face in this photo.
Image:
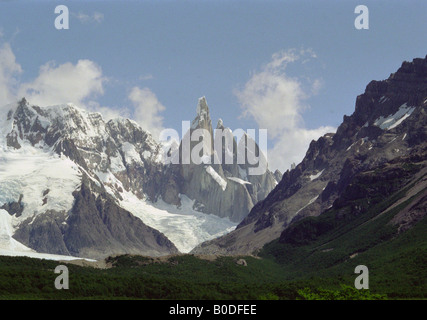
(388, 129)
(339, 154)
(412, 214)
(44, 233)
(367, 189)
(278, 175)
(170, 190)
(14, 208)
(96, 227)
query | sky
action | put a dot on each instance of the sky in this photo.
(294, 68)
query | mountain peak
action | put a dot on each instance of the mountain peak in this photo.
(220, 124)
(202, 119)
(417, 66)
(202, 106)
(23, 102)
(386, 103)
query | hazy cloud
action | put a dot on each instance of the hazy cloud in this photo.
(146, 77)
(9, 69)
(147, 110)
(276, 101)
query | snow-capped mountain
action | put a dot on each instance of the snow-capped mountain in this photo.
(76, 185)
(224, 188)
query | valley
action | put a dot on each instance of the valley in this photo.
(96, 196)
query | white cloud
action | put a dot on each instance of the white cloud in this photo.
(9, 69)
(64, 83)
(78, 83)
(75, 83)
(276, 102)
(292, 146)
(146, 110)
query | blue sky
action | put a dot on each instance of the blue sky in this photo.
(291, 67)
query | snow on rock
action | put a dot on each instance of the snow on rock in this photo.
(310, 202)
(146, 154)
(315, 176)
(131, 155)
(360, 141)
(7, 243)
(184, 226)
(202, 113)
(383, 99)
(394, 120)
(36, 255)
(202, 107)
(348, 149)
(117, 164)
(216, 177)
(238, 180)
(45, 180)
(10, 247)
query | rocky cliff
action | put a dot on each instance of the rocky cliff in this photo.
(366, 160)
(219, 183)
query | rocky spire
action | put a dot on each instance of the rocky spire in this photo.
(203, 119)
(220, 124)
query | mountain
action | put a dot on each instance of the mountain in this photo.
(56, 163)
(77, 185)
(375, 162)
(221, 187)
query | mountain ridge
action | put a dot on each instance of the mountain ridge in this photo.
(388, 124)
(111, 179)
